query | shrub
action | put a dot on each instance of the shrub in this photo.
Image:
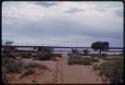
(57, 55)
(96, 67)
(93, 59)
(86, 61)
(13, 67)
(86, 52)
(45, 56)
(75, 56)
(75, 51)
(77, 59)
(74, 61)
(112, 71)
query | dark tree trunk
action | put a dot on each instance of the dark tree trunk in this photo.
(100, 51)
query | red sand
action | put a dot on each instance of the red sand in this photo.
(60, 72)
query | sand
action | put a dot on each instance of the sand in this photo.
(60, 72)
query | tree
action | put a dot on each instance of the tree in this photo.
(101, 46)
(7, 49)
(5, 59)
(86, 52)
(74, 50)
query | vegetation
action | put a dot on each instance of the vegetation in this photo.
(101, 56)
(45, 54)
(113, 71)
(57, 54)
(75, 51)
(77, 59)
(86, 52)
(102, 46)
(13, 67)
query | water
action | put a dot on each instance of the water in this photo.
(91, 51)
(69, 50)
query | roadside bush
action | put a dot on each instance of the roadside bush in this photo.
(95, 67)
(25, 54)
(75, 51)
(45, 56)
(86, 52)
(113, 71)
(57, 55)
(13, 67)
(93, 59)
(75, 59)
(75, 56)
(34, 65)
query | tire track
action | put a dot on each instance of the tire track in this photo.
(61, 71)
(58, 73)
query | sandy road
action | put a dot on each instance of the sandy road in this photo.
(79, 74)
(62, 73)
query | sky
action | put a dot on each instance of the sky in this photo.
(62, 23)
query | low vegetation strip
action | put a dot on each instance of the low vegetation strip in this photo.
(77, 59)
(111, 71)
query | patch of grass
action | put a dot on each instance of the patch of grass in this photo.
(77, 59)
(113, 58)
(99, 55)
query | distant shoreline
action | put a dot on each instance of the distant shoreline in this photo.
(60, 46)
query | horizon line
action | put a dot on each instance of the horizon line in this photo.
(60, 46)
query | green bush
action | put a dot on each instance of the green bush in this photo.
(77, 59)
(74, 61)
(13, 67)
(112, 71)
(45, 56)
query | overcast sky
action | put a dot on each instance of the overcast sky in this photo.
(62, 23)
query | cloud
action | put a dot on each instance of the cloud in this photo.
(119, 12)
(73, 10)
(46, 4)
(27, 23)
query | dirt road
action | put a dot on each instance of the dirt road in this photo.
(61, 72)
(75, 74)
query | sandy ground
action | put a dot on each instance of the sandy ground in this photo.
(60, 72)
